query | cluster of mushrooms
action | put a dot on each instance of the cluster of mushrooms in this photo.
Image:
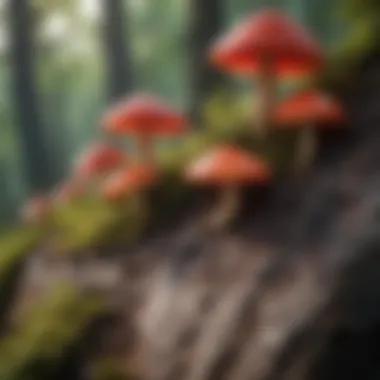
(266, 47)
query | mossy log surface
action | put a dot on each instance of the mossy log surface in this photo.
(290, 291)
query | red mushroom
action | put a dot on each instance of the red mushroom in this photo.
(228, 168)
(307, 111)
(37, 210)
(129, 181)
(266, 45)
(145, 117)
(98, 160)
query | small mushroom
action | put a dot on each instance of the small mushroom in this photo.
(267, 45)
(37, 210)
(307, 111)
(227, 168)
(98, 160)
(132, 181)
(145, 117)
(128, 181)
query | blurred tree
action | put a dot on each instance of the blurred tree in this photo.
(118, 60)
(160, 51)
(25, 95)
(206, 23)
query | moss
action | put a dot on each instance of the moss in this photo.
(45, 333)
(173, 160)
(228, 119)
(127, 227)
(109, 369)
(15, 245)
(362, 22)
(89, 223)
(94, 223)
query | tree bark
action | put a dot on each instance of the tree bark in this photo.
(38, 171)
(118, 60)
(206, 23)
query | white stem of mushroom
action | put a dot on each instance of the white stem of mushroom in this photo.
(306, 149)
(226, 208)
(146, 148)
(267, 98)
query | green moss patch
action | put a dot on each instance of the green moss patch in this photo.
(15, 245)
(109, 369)
(46, 332)
(91, 223)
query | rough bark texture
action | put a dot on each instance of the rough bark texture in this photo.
(291, 293)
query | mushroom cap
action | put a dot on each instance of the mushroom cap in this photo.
(99, 159)
(36, 209)
(268, 35)
(144, 114)
(308, 107)
(129, 181)
(228, 165)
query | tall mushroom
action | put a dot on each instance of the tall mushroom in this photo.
(307, 111)
(227, 168)
(99, 159)
(145, 117)
(96, 162)
(267, 45)
(132, 181)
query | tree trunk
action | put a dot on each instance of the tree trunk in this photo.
(118, 61)
(206, 24)
(33, 147)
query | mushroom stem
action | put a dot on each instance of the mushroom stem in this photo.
(146, 148)
(267, 96)
(226, 208)
(306, 149)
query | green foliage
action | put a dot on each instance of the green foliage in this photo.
(14, 246)
(361, 22)
(46, 332)
(94, 222)
(352, 9)
(226, 115)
